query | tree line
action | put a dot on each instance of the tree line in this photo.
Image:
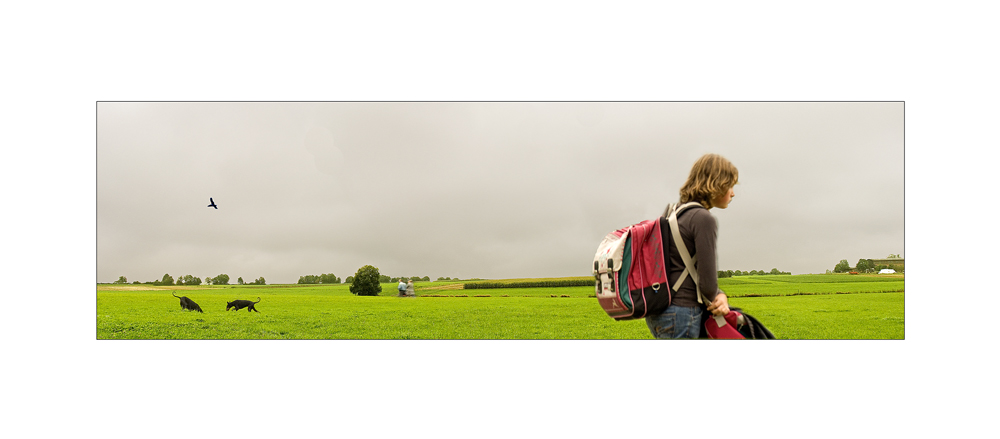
(731, 273)
(865, 266)
(222, 279)
(326, 278)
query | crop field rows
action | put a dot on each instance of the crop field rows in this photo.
(792, 310)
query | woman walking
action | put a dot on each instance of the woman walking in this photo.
(710, 184)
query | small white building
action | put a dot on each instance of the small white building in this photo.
(887, 271)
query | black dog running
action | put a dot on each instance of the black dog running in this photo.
(240, 304)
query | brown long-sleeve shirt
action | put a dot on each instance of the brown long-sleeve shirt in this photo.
(699, 231)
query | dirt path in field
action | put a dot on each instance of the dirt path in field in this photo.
(445, 287)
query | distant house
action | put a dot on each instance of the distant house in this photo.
(887, 271)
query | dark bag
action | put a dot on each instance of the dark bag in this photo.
(735, 325)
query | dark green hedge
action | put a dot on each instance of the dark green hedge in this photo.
(530, 284)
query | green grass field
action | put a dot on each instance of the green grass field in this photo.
(792, 307)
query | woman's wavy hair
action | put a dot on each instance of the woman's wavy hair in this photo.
(711, 176)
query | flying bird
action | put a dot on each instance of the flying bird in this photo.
(213, 203)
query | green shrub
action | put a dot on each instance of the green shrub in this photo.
(366, 282)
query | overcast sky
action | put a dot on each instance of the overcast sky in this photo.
(480, 189)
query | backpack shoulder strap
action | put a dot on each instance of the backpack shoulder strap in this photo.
(689, 261)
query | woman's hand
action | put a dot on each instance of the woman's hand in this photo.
(719, 306)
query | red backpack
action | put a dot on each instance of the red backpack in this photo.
(630, 268)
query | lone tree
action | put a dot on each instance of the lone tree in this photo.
(842, 267)
(366, 282)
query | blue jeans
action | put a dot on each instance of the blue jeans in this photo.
(676, 322)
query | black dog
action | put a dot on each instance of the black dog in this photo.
(240, 304)
(188, 304)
